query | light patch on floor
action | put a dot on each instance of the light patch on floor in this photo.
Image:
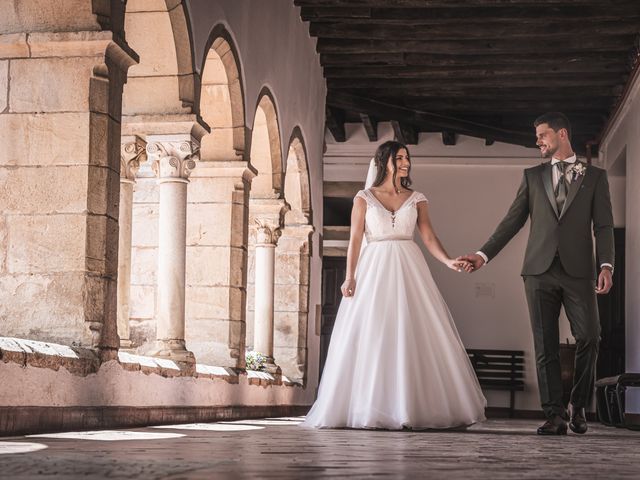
(109, 435)
(214, 427)
(7, 448)
(269, 422)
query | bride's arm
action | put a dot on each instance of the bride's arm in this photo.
(355, 243)
(431, 240)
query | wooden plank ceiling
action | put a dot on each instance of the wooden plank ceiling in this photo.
(485, 68)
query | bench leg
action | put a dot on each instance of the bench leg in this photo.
(512, 403)
(620, 390)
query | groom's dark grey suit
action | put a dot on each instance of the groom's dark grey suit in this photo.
(559, 269)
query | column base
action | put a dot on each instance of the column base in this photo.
(271, 367)
(174, 350)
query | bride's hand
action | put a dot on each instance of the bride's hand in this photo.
(348, 288)
(459, 265)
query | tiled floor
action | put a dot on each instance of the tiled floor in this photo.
(279, 449)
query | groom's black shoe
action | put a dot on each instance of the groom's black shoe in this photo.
(578, 423)
(554, 426)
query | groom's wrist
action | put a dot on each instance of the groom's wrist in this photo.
(607, 266)
(484, 257)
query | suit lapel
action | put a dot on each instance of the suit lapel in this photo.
(548, 186)
(574, 188)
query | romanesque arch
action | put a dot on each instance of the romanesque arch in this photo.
(217, 213)
(292, 265)
(266, 215)
(160, 121)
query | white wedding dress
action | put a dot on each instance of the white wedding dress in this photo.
(395, 359)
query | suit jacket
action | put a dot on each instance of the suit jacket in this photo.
(567, 233)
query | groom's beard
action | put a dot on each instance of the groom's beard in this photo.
(549, 152)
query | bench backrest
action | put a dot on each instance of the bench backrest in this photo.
(499, 368)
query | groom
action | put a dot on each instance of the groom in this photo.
(565, 198)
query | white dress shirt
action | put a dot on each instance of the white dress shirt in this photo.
(555, 178)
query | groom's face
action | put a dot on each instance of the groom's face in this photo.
(547, 140)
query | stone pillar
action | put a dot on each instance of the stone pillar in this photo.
(265, 250)
(173, 158)
(217, 237)
(292, 299)
(60, 100)
(132, 152)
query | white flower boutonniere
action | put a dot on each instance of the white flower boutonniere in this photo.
(577, 170)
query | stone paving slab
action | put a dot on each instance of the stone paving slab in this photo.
(280, 449)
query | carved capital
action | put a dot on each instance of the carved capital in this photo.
(173, 158)
(266, 234)
(132, 154)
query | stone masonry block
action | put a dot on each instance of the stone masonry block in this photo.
(46, 243)
(50, 84)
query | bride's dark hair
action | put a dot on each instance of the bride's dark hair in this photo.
(385, 151)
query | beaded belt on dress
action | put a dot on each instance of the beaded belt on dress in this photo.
(389, 238)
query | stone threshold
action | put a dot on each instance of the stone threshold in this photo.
(84, 361)
(16, 421)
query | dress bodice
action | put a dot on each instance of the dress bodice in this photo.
(382, 224)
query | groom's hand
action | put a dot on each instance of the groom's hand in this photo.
(605, 282)
(476, 260)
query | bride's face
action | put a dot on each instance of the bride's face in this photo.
(403, 164)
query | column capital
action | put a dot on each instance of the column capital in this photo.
(172, 156)
(132, 153)
(266, 235)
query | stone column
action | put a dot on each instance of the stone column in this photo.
(132, 152)
(266, 240)
(173, 158)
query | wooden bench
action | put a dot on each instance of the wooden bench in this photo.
(610, 398)
(499, 370)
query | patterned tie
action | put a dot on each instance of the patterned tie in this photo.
(561, 188)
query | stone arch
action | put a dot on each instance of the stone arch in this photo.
(158, 102)
(297, 189)
(163, 81)
(266, 150)
(292, 265)
(221, 98)
(217, 232)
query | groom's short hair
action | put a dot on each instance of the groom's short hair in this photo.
(555, 120)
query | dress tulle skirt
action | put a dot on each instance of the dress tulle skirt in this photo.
(395, 359)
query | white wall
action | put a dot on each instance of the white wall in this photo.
(622, 144)
(275, 50)
(470, 186)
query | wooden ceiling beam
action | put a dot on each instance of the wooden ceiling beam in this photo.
(464, 71)
(449, 137)
(370, 126)
(489, 60)
(539, 93)
(524, 46)
(335, 123)
(404, 132)
(522, 81)
(426, 120)
(440, 15)
(453, 4)
(472, 30)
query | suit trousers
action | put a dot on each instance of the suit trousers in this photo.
(546, 293)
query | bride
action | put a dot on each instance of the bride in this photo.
(395, 359)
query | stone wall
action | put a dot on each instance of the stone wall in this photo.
(62, 79)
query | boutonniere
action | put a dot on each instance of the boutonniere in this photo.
(577, 170)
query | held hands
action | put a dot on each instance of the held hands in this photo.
(348, 288)
(474, 261)
(459, 264)
(605, 282)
